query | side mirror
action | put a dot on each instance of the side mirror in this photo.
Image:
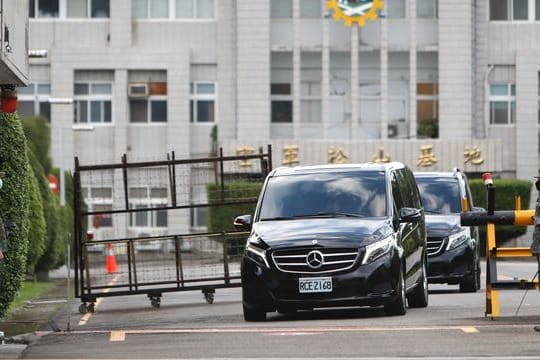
(242, 223)
(408, 214)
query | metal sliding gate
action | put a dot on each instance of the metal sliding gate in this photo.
(136, 224)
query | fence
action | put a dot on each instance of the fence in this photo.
(138, 224)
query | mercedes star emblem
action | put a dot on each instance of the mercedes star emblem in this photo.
(315, 259)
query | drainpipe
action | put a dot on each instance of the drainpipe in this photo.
(486, 100)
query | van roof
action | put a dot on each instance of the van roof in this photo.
(336, 167)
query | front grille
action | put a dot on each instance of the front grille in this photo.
(331, 260)
(435, 245)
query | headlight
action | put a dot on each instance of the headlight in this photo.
(458, 239)
(378, 249)
(255, 252)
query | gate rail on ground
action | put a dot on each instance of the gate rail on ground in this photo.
(142, 242)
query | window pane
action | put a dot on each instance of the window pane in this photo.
(138, 111)
(537, 17)
(191, 114)
(105, 219)
(395, 9)
(107, 111)
(282, 111)
(280, 89)
(101, 89)
(32, 12)
(45, 110)
(159, 111)
(184, 9)
(425, 9)
(100, 192)
(499, 112)
(498, 10)
(281, 9)
(77, 8)
(205, 111)
(138, 192)
(205, 9)
(161, 218)
(521, 11)
(44, 89)
(26, 90)
(311, 111)
(95, 111)
(25, 108)
(100, 8)
(48, 8)
(310, 9)
(159, 9)
(205, 89)
(141, 218)
(139, 9)
(82, 107)
(81, 89)
(498, 90)
(158, 193)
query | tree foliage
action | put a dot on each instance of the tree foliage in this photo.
(14, 201)
(37, 228)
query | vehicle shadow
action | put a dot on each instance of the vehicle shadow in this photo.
(329, 314)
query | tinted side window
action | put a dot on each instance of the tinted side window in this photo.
(396, 191)
(405, 188)
(415, 195)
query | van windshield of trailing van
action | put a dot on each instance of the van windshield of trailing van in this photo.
(333, 194)
(439, 195)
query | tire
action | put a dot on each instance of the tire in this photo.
(472, 282)
(419, 298)
(254, 314)
(399, 305)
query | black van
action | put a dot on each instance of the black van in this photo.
(453, 250)
(335, 235)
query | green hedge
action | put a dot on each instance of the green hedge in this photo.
(37, 228)
(505, 192)
(14, 202)
(220, 218)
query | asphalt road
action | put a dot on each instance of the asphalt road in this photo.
(187, 327)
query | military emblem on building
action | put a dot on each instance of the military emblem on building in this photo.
(355, 11)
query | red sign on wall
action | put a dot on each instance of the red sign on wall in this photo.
(53, 184)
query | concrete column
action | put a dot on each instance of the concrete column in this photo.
(384, 79)
(412, 69)
(355, 79)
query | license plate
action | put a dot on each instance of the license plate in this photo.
(315, 285)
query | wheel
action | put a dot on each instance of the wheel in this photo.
(254, 314)
(419, 298)
(399, 305)
(472, 282)
(209, 297)
(83, 309)
(92, 307)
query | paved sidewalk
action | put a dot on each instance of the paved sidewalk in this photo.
(23, 327)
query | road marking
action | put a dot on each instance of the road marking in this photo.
(87, 316)
(118, 336)
(470, 329)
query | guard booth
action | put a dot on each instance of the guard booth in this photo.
(136, 224)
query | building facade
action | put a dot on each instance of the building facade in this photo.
(435, 84)
(14, 43)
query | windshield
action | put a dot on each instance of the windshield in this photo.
(359, 194)
(439, 195)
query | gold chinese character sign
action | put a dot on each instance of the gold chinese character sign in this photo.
(473, 155)
(427, 157)
(290, 155)
(337, 156)
(243, 151)
(382, 157)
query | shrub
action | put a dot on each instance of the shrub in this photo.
(37, 229)
(13, 206)
(220, 218)
(505, 192)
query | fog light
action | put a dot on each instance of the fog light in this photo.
(258, 271)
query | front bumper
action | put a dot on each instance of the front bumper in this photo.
(363, 285)
(452, 266)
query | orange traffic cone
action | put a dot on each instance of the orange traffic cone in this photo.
(111, 260)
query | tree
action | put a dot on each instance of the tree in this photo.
(14, 201)
(37, 228)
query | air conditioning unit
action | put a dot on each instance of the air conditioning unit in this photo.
(138, 90)
(393, 130)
